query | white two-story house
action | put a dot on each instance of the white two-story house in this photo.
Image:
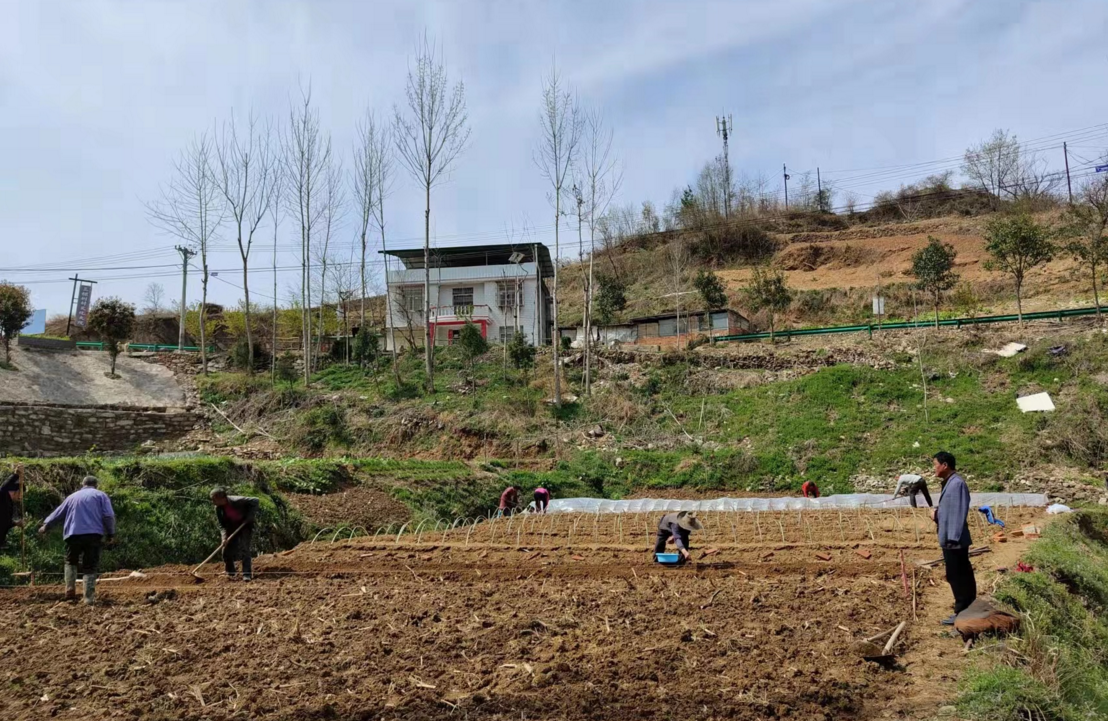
(499, 288)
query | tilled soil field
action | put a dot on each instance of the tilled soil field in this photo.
(558, 617)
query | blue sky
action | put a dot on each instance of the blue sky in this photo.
(97, 98)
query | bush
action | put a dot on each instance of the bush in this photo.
(239, 356)
(521, 352)
(286, 368)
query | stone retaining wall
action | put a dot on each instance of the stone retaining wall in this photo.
(56, 430)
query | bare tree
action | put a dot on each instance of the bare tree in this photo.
(306, 157)
(191, 208)
(1085, 229)
(372, 183)
(245, 176)
(601, 178)
(334, 207)
(560, 119)
(1007, 171)
(275, 216)
(429, 138)
(678, 262)
(153, 298)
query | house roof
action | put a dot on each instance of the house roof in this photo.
(666, 316)
(475, 255)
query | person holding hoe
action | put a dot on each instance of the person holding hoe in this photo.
(236, 516)
(675, 528)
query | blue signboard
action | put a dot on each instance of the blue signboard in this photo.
(37, 324)
(1101, 168)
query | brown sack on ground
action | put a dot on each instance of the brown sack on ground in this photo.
(983, 617)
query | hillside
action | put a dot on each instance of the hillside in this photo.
(834, 271)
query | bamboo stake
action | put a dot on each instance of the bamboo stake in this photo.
(22, 523)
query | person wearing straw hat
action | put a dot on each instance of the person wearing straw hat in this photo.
(9, 496)
(676, 527)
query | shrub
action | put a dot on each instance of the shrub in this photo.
(286, 368)
(15, 311)
(239, 356)
(112, 320)
(521, 352)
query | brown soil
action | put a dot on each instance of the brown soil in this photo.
(552, 617)
(354, 506)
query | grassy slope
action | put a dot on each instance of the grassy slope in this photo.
(1058, 667)
(669, 427)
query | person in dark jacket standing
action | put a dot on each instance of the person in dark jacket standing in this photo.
(677, 526)
(87, 518)
(234, 512)
(951, 517)
(9, 496)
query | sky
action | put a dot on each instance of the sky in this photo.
(97, 99)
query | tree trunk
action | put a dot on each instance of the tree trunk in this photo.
(249, 333)
(556, 336)
(771, 329)
(936, 311)
(114, 354)
(588, 306)
(428, 332)
(1019, 301)
(204, 317)
(390, 327)
(7, 349)
(1096, 294)
(276, 316)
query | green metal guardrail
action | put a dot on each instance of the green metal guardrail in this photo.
(955, 322)
(154, 347)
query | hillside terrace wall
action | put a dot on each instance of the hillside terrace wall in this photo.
(33, 429)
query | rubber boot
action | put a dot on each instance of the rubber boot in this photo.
(90, 588)
(70, 582)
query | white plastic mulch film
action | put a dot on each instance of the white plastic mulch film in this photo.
(844, 500)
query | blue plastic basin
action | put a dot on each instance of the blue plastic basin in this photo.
(670, 559)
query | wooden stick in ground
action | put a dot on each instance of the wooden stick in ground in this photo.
(22, 524)
(893, 638)
(217, 550)
(903, 573)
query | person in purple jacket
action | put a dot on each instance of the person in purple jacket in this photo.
(951, 517)
(87, 519)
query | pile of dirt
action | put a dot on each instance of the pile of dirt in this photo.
(353, 506)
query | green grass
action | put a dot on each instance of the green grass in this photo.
(1059, 668)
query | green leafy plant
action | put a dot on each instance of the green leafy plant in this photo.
(520, 352)
(113, 321)
(711, 290)
(768, 291)
(933, 269)
(15, 311)
(611, 297)
(1017, 245)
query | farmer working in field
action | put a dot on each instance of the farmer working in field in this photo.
(809, 489)
(87, 518)
(954, 536)
(909, 484)
(542, 499)
(508, 501)
(675, 528)
(236, 513)
(9, 496)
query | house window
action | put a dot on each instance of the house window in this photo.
(507, 294)
(506, 334)
(463, 301)
(667, 327)
(703, 322)
(719, 321)
(411, 299)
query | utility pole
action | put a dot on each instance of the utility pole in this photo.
(785, 174)
(1069, 187)
(185, 255)
(73, 298)
(723, 128)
